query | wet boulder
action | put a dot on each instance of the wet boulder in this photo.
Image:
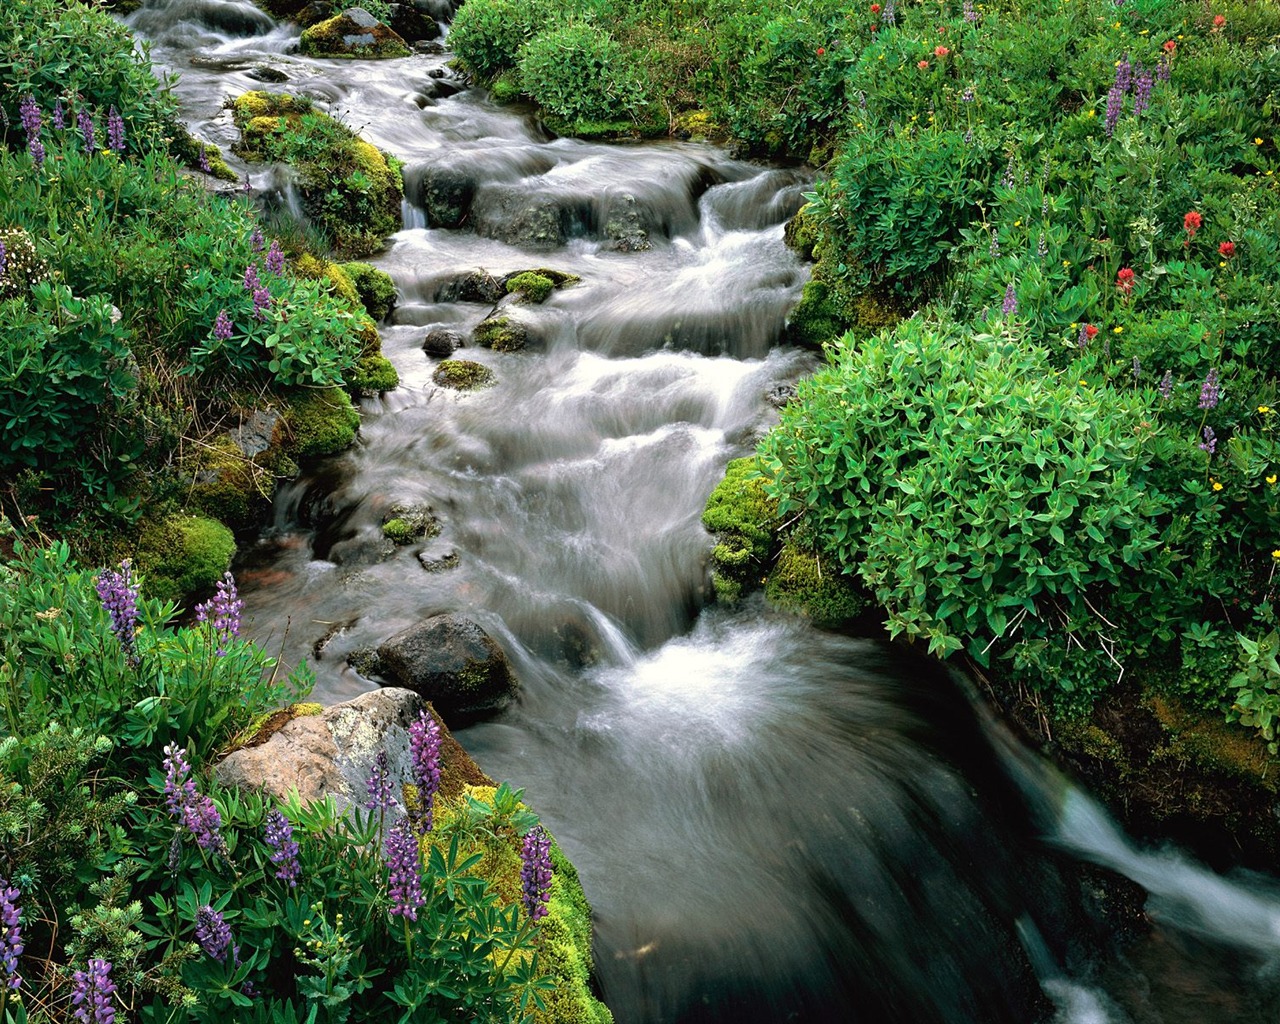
(445, 195)
(463, 375)
(501, 333)
(475, 286)
(412, 23)
(353, 33)
(514, 216)
(442, 343)
(451, 661)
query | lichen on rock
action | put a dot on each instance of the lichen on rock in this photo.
(353, 33)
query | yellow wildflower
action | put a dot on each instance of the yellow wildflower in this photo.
(1272, 479)
(1217, 486)
(1117, 330)
(1257, 142)
(1264, 409)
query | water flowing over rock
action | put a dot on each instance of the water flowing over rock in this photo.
(452, 662)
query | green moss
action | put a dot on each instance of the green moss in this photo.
(401, 531)
(376, 289)
(743, 519)
(801, 234)
(182, 555)
(533, 286)
(463, 375)
(312, 267)
(326, 39)
(319, 423)
(500, 333)
(799, 583)
(373, 375)
(229, 487)
(699, 124)
(816, 318)
(506, 87)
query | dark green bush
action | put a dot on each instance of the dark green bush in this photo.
(582, 75)
(486, 34)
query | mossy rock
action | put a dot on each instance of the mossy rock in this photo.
(817, 317)
(321, 422)
(183, 555)
(463, 375)
(699, 124)
(350, 189)
(406, 523)
(743, 518)
(376, 289)
(230, 487)
(506, 88)
(282, 10)
(564, 946)
(801, 233)
(798, 582)
(372, 375)
(354, 33)
(501, 333)
(531, 286)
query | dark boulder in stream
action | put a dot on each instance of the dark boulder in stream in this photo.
(451, 662)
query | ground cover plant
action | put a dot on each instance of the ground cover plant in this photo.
(134, 888)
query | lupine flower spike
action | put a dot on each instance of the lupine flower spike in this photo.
(1010, 304)
(379, 785)
(1209, 392)
(119, 596)
(91, 994)
(10, 936)
(404, 864)
(115, 131)
(535, 874)
(213, 933)
(424, 753)
(284, 848)
(196, 812)
(225, 607)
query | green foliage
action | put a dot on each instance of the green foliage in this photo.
(581, 74)
(320, 422)
(184, 555)
(1257, 686)
(531, 285)
(798, 582)
(350, 188)
(486, 34)
(376, 290)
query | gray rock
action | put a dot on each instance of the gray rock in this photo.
(253, 436)
(445, 194)
(477, 286)
(329, 754)
(441, 343)
(361, 18)
(439, 559)
(406, 522)
(452, 662)
(363, 39)
(266, 73)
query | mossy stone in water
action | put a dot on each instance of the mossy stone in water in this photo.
(182, 555)
(799, 582)
(743, 517)
(463, 375)
(322, 422)
(350, 35)
(531, 285)
(500, 333)
(373, 375)
(375, 288)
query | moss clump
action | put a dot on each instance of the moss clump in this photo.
(331, 38)
(506, 87)
(376, 289)
(463, 375)
(373, 375)
(817, 317)
(400, 531)
(699, 124)
(182, 555)
(500, 333)
(405, 523)
(743, 518)
(314, 268)
(798, 583)
(801, 234)
(350, 189)
(319, 423)
(531, 285)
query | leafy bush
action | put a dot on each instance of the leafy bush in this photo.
(486, 34)
(581, 74)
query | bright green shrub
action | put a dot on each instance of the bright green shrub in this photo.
(184, 555)
(581, 74)
(486, 34)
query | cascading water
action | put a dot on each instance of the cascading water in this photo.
(773, 823)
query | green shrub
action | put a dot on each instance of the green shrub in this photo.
(580, 74)
(184, 555)
(486, 34)
(375, 288)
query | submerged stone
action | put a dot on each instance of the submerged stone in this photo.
(452, 662)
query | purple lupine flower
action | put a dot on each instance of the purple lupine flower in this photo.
(174, 861)
(1010, 305)
(59, 116)
(275, 258)
(85, 120)
(890, 14)
(284, 848)
(256, 242)
(379, 785)
(1143, 83)
(91, 994)
(1007, 178)
(1210, 442)
(36, 148)
(4, 262)
(202, 160)
(1082, 342)
(119, 597)
(261, 301)
(535, 873)
(1115, 106)
(1164, 66)
(424, 753)
(222, 326)
(970, 12)
(968, 94)
(213, 933)
(224, 609)
(115, 130)
(10, 934)
(1124, 74)
(1209, 393)
(404, 875)
(29, 111)
(251, 280)
(1166, 385)
(1137, 370)
(196, 812)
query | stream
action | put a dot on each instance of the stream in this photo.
(772, 823)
